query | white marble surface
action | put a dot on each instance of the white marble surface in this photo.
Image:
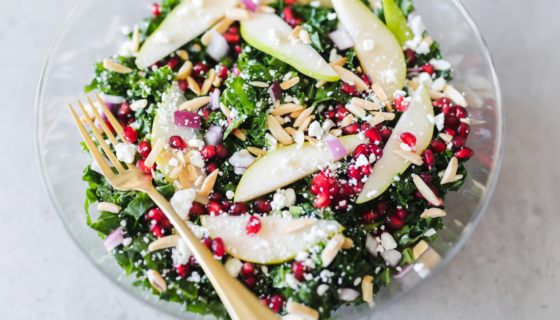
(507, 270)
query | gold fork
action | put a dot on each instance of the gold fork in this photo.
(240, 303)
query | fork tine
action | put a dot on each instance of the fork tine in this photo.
(108, 132)
(102, 142)
(107, 172)
(116, 125)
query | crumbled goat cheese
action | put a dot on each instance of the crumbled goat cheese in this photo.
(127, 241)
(416, 25)
(230, 194)
(327, 125)
(440, 64)
(196, 160)
(387, 241)
(195, 277)
(423, 48)
(291, 281)
(439, 120)
(322, 289)
(196, 143)
(180, 253)
(315, 129)
(439, 84)
(430, 232)
(182, 202)
(362, 161)
(125, 152)
(405, 147)
(425, 79)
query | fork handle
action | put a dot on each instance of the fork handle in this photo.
(240, 303)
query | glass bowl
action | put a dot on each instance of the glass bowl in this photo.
(93, 31)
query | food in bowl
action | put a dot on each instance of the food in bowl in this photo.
(309, 146)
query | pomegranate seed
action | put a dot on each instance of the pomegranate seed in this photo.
(328, 114)
(368, 217)
(373, 135)
(376, 150)
(277, 302)
(248, 269)
(144, 148)
(322, 201)
(130, 135)
(351, 129)
(361, 149)
(183, 85)
(200, 68)
(425, 176)
(182, 270)
(321, 181)
(155, 9)
(353, 172)
(458, 142)
(428, 158)
(409, 139)
(265, 301)
(448, 131)
(381, 207)
(349, 89)
(141, 165)
(298, 269)
(345, 191)
(207, 242)
(366, 170)
(214, 207)
(441, 102)
(463, 130)
(225, 205)
(451, 122)
(233, 29)
(177, 142)
(218, 247)
(109, 126)
(410, 57)
(358, 187)
(341, 204)
(211, 167)
(366, 126)
(385, 133)
(124, 110)
(253, 225)
(365, 78)
(238, 49)
(314, 189)
(251, 282)
(428, 68)
(238, 209)
(261, 205)
(197, 208)
(464, 153)
(461, 112)
(341, 112)
(221, 152)
(400, 213)
(157, 231)
(231, 38)
(437, 146)
(173, 62)
(288, 15)
(400, 104)
(334, 190)
(290, 2)
(394, 223)
(208, 152)
(215, 196)
(155, 214)
(222, 71)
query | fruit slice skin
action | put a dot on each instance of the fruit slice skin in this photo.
(396, 21)
(269, 245)
(362, 24)
(301, 56)
(286, 165)
(414, 120)
(183, 24)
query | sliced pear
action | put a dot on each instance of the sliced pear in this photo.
(270, 245)
(396, 21)
(322, 3)
(385, 63)
(186, 22)
(269, 33)
(286, 165)
(414, 120)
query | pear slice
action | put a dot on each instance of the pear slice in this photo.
(385, 63)
(270, 245)
(396, 21)
(414, 120)
(186, 22)
(287, 165)
(269, 33)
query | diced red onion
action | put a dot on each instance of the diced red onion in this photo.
(392, 257)
(413, 71)
(215, 99)
(347, 294)
(341, 39)
(216, 129)
(110, 106)
(238, 170)
(337, 148)
(113, 240)
(241, 160)
(218, 46)
(213, 135)
(107, 98)
(275, 91)
(187, 119)
(252, 5)
(371, 245)
(404, 271)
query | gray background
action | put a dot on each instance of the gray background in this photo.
(507, 270)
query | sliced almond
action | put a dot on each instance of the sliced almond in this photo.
(376, 119)
(278, 132)
(217, 82)
(367, 288)
(306, 123)
(331, 250)
(208, 82)
(266, 9)
(135, 39)
(379, 92)
(336, 132)
(156, 280)
(386, 115)
(193, 85)
(193, 174)
(455, 95)
(279, 119)
(116, 67)
(413, 84)
(221, 27)
(457, 177)
(295, 33)
(338, 63)
(425, 190)
(188, 155)
(348, 243)
(167, 156)
(366, 105)
(184, 179)
(109, 207)
(237, 14)
(348, 76)
(183, 54)
(156, 150)
(434, 95)
(298, 136)
(295, 114)
(433, 213)
(304, 312)
(419, 248)
(290, 130)
(348, 120)
(259, 84)
(225, 110)
(208, 184)
(465, 120)
(174, 174)
(257, 151)
(298, 225)
(244, 152)
(239, 134)
(286, 108)
(290, 83)
(304, 37)
(185, 70)
(314, 142)
(450, 171)
(196, 47)
(357, 111)
(410, 156)
(303, 115)
(194, 104)
(320, 83)
(446, 137)
(164, 243)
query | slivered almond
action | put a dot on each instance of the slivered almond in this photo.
(156, 280)
(336, 132)
(386, 115)
(366, 105)
(298, 137)
(109, 207)
(465, 120)
(184, 179)
(304, 115)
(379, 92)
(164, 243)
(367, 288)
(457, 177)
(290, 83)
(183, 54)
(188, 156)
(428, 40)
(290, 130)
(446, 137)
(156, 150)
(338, 63)
(279, 119)
(314, 142)
(225, 110)
(295, 33)
(306, 123)
(135, 39)
(298, 225)
(331, 250)
(167, 156)
(413, 84)
(193, 174)
(304, 37)
(348, 76)
(208, 184)
(286, 108)
(257, 151)
(425, 190)
(278, 132)
(221, 27)
(185, 70)
(455, 95)
(244, 152)
(357, 111)
(237, 14)
(217, 82)
(296, 114)
(259, 84)
(450, 171)
(196, 47)
(348, 243)
(174, 174)
(320, 83)
(194, 104)
(302, 311)
(433, 213)
(348, 120)
(266, 9)
(377, 119)
(410, 156)
(419, 248)
(239, 134)
(116, 67)
(434, 95)
(193, 85)
(208, 82)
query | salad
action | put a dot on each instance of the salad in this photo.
(308, 145)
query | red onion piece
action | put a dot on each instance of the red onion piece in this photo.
(215, 99)
(341, 39)
(213, 135)
(392, 257)
(110, 106)
(107, 98)
(218, 46)
(238, 170)
(371, 245)
(337, 148)
(187, 119)
(275, 91)
(252, 5)
(113, 240)
(347, 294)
